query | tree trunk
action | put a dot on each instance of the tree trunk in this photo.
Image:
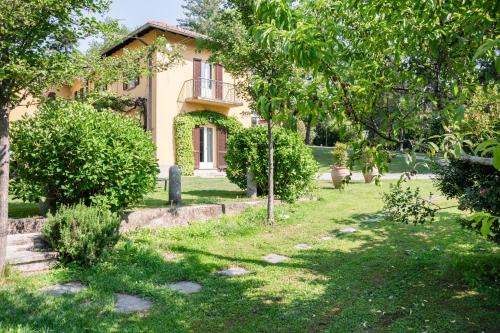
(4, 185)
(308, 130)
(270, 179)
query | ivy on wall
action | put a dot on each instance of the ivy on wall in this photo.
(183, 128)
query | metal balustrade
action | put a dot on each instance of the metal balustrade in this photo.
(211, 90)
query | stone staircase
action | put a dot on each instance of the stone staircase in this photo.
(28, 254)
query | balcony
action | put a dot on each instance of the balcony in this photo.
(210, 92)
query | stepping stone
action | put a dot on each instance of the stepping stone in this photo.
(349, 230)
(326, 238)
(185, 287)
(129, 304)
(303, 246)
(63, 288)
(233, 271)
(372, 219)
(170, 256)
(274, 258)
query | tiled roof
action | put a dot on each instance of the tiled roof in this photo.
(177, 30)
(149, 26)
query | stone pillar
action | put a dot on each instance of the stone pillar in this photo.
(251, 185)
(174, 186)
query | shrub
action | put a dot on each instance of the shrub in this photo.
(81, 234)
(294, 166)
(477, 188)
(69, 152)
(407, 206)
(340, 155)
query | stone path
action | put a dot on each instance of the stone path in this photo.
(358, 176)
(233, 271)
(170, 256)
(64, 288)
(303, 246)
(185, 287)
(128, 303)
(274, 258)
(348, 230)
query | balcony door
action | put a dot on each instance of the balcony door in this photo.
(206, 148)
(206, 80)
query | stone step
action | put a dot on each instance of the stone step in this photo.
(25, 242)
(28, 257)
(35, 267)
(24, 239)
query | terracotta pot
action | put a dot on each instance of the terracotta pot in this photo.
(369, 176)
(338, 175)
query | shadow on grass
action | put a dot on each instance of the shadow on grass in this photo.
(374, 286)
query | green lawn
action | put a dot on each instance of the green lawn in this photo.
(195, 190)
(362, 282)
(323, 155)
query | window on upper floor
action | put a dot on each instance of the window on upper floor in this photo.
(131, 84)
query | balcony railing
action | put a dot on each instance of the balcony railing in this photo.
(211, 91)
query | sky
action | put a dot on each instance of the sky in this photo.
(134, 13)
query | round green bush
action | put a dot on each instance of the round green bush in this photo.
(69, 152)
(81, 234)
(294, 166)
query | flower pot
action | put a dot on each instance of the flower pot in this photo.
(338, 175)
(369, 176)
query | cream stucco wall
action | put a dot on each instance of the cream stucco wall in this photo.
(169, 100)
(168, 95)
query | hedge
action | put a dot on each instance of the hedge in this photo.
(183, 128)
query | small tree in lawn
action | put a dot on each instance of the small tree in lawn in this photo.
(37, 52)
(271, 83)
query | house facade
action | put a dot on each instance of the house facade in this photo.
(194, 85)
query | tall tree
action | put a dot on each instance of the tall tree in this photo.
(199, 15)
(37, 39)
(265, 76)
(374, 49)
(38, 52)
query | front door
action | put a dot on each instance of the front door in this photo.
(206, 148)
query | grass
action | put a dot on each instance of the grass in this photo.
(195, 190)
(323, 155)
(353, 283)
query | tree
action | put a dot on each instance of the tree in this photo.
(199, 15)
(38, 38)
(273, 85)
(424, 52)
(37, 52)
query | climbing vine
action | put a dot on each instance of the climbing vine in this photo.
(183, 127)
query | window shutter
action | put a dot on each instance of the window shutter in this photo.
(196, 147)
(196, 78)
(221, 148)
(219, 78)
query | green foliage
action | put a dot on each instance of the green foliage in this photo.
(69, 152)
(477, 187)
(407, 206)
(183, 127)
(81, 234)
(199, 15)
(485, 224)
(340, 155)
(294, 170)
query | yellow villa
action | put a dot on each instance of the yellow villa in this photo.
(194, 85)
